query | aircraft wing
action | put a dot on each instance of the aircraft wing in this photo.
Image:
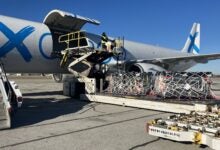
(171, 61)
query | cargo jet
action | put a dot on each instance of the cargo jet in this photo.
(32, 47)
(59, 46)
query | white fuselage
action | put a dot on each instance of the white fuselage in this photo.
(26, 47)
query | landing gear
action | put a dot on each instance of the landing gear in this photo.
(57, 77)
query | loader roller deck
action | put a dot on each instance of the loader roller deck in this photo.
(176, 101)
(173, 106)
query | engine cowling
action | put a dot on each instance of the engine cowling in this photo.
(145, 67)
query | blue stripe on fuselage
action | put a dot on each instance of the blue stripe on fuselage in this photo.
(41, 46)
(16, 41)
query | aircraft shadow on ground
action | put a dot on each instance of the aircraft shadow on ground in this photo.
(43, 93)
(35, 110)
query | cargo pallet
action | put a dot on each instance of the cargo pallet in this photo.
(146, 101)
(71, 88)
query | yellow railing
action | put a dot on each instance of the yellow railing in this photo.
(77, 36)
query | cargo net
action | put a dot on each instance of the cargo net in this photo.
(164, 85)
(183, 85)
(131, 84)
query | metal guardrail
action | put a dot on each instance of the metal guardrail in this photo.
(74, 40)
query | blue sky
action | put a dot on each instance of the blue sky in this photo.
(166, 23)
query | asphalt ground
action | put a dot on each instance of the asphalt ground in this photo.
(49, 120)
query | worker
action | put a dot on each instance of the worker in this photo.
(113, 45)
(104, 40)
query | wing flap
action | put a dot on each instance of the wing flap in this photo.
(196, 58)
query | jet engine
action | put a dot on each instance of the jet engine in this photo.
(145, 67)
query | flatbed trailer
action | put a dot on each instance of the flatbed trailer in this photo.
(201, 128)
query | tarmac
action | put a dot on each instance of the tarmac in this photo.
(49, 120)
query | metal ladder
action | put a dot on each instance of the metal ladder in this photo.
(5, 106)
